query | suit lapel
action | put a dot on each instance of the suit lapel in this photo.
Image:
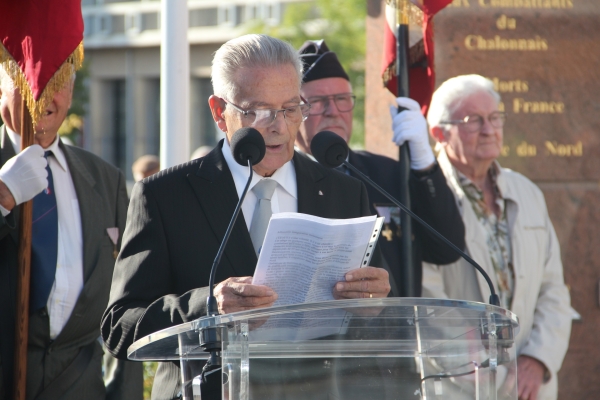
(217, 195)
(7, 152)
(307, 178)
(90, 209)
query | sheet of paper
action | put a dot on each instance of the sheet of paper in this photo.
(304, 256)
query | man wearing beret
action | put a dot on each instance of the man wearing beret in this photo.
(326, 86)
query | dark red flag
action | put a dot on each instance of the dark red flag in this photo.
(40, 47)
(420, 59)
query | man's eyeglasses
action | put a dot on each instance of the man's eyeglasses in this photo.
(263, 118)
(474, 123)
(319, 104)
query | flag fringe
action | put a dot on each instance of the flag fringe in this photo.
(58, 81)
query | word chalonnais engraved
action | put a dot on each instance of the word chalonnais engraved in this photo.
(498, 43)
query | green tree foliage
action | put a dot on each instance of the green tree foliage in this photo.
(149, 372)
(342, 24)
(72, 126)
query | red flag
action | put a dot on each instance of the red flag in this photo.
(420, 59)
(41, 45)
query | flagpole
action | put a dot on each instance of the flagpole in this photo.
(24, 271)
(407, 272)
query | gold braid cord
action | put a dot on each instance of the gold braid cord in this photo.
(55, 84)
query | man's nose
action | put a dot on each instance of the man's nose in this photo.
(487, 127)
(278, 122)
(331, 108)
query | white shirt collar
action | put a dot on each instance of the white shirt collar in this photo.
(15, 139)
(285, 176)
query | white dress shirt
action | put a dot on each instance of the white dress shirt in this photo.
(285, 197)
(68, 281)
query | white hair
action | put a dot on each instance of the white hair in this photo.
(249, 51)
(450, 95)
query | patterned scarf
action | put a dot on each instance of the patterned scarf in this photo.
(497, 233)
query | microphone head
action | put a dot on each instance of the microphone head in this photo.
(329, 149)
(247, 144)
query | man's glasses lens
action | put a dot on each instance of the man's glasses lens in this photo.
(343, 102)
(474, 123)
(264, 118)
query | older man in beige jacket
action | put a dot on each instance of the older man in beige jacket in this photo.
(508, 232)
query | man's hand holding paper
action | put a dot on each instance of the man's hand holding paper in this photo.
(239, 294)
(310, 259)
(360, 283)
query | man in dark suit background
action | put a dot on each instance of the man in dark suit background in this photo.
(64, 356)
(177, 218)
(326, 86)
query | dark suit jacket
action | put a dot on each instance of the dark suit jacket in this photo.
(102, 197)
(431, 200)
(175, 224)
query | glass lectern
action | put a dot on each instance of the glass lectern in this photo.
(393, 348)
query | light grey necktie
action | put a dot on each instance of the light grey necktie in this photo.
(262, 213)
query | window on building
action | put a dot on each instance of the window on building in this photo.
(202, 126)
(119, 127)
(133, 23)
(149, 21)
(103, 24)
(152, 116)
(118, 24)
(228, 15)
(88, 25)
(203, 17)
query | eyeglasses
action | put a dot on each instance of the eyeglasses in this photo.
(474, 123)
(319, 104)
(263, 118)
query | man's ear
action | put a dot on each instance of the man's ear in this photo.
(217, 108)
(439, 134)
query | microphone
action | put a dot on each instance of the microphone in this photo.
(247, 144)
(248, 149)
(331, 151)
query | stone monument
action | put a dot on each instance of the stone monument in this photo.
(544, 59)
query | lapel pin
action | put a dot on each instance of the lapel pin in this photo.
(113, 234)
(320, 193)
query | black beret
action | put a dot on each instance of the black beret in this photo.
(319, 62)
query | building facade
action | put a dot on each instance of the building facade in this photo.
(122, 49)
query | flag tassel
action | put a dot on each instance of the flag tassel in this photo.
(58, 81)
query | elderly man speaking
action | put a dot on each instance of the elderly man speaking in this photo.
(177, 217)
(508, 232)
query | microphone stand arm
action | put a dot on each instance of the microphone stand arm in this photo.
(211, 302)
(211, 338)
(494, 299)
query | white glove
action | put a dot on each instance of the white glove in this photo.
(25, 174)
(410, 125)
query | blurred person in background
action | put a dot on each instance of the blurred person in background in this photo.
(145, 166)
(79, 211)
(327, 88)
(508, 232)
